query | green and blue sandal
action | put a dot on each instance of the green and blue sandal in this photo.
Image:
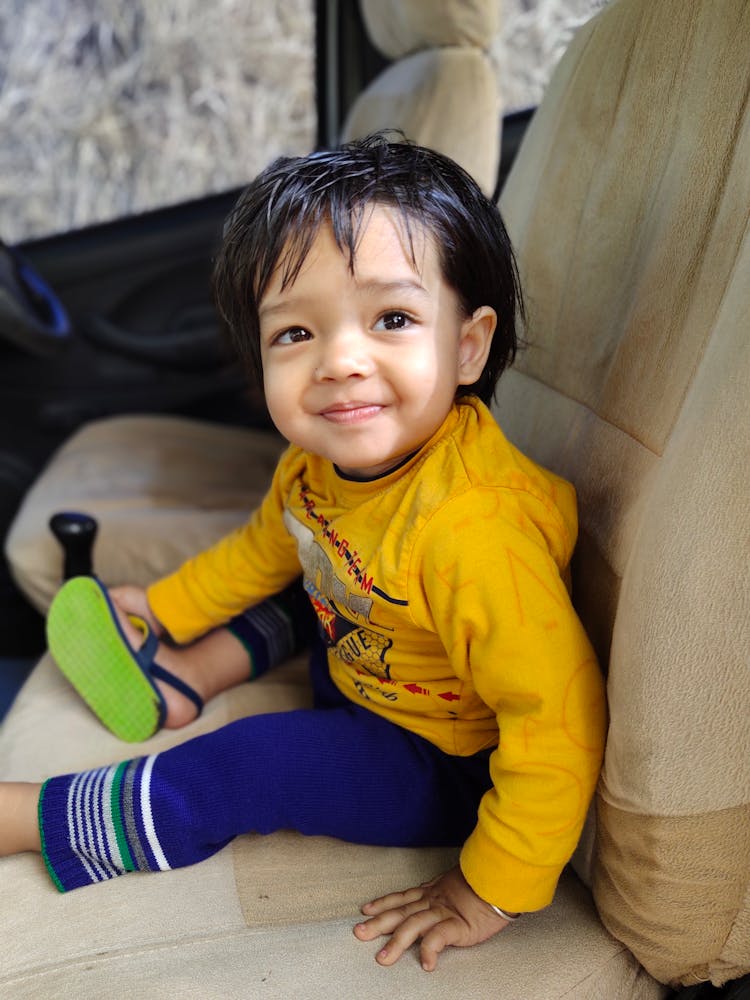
(115, 680)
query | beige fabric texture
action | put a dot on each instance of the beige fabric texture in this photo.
(718, 884)
(399, 27)
(443, 98)
(636, 386)
(160, 488)
(441, 91)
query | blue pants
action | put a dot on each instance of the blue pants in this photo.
(336, 769)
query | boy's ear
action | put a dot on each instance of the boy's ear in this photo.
(474, 344)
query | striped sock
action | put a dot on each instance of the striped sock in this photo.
(97, 825)
(275, 629)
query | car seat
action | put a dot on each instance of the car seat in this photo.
(440, 89)
(628, 205)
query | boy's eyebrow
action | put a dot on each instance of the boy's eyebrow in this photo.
(370, 285)
(398, 285)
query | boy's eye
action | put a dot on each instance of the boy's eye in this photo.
(294, 335)
(394, 320)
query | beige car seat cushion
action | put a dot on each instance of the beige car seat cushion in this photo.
(162, 488)
(628, 209)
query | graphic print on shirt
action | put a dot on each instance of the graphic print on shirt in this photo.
(344, 614)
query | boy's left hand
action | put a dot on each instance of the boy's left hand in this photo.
(445, 911)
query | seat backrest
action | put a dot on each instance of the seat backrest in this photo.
(440, 90)
(628, 206)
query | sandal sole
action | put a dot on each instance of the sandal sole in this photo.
(85, 639)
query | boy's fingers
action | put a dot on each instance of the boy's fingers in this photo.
(446, 933)
(410, 930)
(387, 921)
(443, 912)
(392, 901)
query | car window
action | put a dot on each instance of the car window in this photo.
(533, 36)
(109, 108)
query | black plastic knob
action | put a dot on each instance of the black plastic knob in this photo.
(76, 533)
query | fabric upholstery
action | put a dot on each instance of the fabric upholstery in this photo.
(160, 488)
(445, 98)
(399, 27)
(635, 386)
(441, 90)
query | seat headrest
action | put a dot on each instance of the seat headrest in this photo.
(398, 27)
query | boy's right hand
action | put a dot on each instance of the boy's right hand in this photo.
(133, 601)
(445, 911)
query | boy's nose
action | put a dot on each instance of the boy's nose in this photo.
(343, 356)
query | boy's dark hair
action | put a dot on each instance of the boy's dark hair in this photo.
(278, 217)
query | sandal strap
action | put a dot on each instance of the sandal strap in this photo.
(145, 657)
(146, 652)
(169, 678)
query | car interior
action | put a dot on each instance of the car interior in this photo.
(626, 197)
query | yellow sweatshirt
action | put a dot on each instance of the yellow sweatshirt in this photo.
(440, 587)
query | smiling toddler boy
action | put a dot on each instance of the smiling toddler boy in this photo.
(456, 697)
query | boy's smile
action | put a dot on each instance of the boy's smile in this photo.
(351, 413)
(361, 366)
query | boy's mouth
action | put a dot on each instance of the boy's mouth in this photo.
(351, 413)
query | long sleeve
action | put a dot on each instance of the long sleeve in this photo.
(251, 563)
(495, 595)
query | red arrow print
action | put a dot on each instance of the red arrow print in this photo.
(450, 696)
(416, 689)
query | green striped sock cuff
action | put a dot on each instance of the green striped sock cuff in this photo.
(97, 825)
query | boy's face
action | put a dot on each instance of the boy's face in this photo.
(362, 368)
